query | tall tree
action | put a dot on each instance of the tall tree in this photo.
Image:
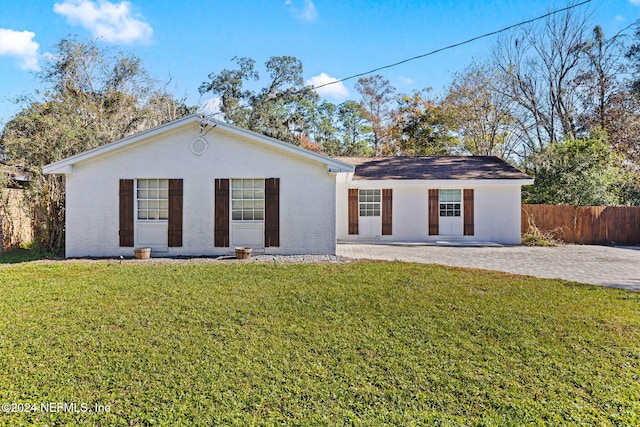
(422, 127)
(609, 106)
(92, 96)
(633, 54)
(481, 111)
(599, 79)
(541, 67)
(355, 130)
(278, 110)
(376, 94)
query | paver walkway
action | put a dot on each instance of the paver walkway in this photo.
(598, 265)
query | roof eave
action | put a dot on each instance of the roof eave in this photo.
(444, 182)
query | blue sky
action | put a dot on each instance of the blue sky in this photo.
(334, 39)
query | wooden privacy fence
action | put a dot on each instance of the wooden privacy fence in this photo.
(600, 225)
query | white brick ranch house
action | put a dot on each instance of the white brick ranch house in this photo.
(199, 187)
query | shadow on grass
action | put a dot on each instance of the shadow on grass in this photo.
(24, 254)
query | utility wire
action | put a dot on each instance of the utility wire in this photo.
(452, 46)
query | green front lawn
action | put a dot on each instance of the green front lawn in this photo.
(342, 344)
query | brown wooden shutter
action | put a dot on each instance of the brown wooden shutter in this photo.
(175, 213)
(272, 212)
(434, 213)
(353, 211)
(387, 211)
(126, 212)
(221, 214)
(468, 212)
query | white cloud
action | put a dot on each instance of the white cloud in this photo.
(111, 22)
(337, 91)
(21, 45)
(406, 81)
(304, 10)
(619, 18)
(636, 2)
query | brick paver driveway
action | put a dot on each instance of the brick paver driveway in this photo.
(599, 265)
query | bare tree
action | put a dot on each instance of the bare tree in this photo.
(542, 65)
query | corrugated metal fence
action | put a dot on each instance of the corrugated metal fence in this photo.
(616, 225)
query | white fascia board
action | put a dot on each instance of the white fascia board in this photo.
(52, 169)
(440, 183)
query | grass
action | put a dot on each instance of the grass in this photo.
(25, 253)
(344, 344)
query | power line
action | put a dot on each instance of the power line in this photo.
(452, 46)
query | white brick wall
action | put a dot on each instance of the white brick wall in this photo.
(307, 192)
(497, 210)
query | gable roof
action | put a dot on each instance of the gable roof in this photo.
(64, 166)
(433, 168)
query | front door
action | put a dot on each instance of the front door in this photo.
(450, 213)
(369, 209)
(247, 213)
(152, 213)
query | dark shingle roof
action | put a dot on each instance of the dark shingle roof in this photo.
(432, 168)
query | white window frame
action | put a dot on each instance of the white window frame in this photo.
(247, 199)
(450, 203)
(152, 199)
(370, 202)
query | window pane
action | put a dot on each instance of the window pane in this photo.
(153, 198)
(369, 201)
(247, 199)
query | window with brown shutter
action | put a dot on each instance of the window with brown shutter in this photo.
(175, 213)
(221, 214)
(272, 212)
(387, 211)
(126, 213)
(434, 225)
(353, 211)
(468, 213)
